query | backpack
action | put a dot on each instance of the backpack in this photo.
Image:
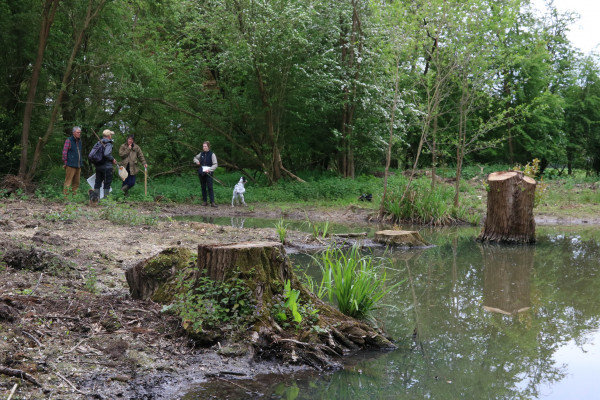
(97, 153)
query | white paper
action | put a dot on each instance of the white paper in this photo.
(205, 168)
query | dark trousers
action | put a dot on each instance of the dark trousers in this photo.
(104, 173)
(130, 180)
(206, 182)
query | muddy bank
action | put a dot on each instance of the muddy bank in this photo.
(67, 320)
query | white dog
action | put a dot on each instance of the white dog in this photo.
(238, 192)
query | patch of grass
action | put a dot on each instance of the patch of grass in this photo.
(124, 214)
(281, 229)
(422, 205)
(355, 282)
(69, 213)
(318, 229)
(91, 280)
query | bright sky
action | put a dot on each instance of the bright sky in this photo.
(584, 34)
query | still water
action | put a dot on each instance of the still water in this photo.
(472, 321)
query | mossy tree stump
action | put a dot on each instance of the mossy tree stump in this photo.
(318, 341)
(264, 266)
(509, 219)
(154, 278)
(266, 269)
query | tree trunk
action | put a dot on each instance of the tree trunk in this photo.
(50, 7)
(390, 142)
(261, 263)
(510, 201)
(90, 16)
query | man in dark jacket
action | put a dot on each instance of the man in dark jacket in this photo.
(104, 169)
(72, 161)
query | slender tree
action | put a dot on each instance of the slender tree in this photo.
(48, 13)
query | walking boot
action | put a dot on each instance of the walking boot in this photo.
(125, 188)
(204, 203)
(213, 205)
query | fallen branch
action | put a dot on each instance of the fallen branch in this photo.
(69, 382)
(17, 373)
(290, 174)
(30, 336)
(350, 235)
(12, 391)
(76, 346)
(235, 384)
(59, 317)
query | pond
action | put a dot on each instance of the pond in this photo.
(472, 321)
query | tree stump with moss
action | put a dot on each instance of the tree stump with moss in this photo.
(400, 238)
(266, 269)
(154, 278)
(316, 335)
(509, 219)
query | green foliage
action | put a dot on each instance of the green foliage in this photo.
(281, 228)
(289, 311)
(71, 212)
(206, 304)
(532, 170)
(318, 229)
(290, 305)
(91, 280)
(124, 214)
(352, 280)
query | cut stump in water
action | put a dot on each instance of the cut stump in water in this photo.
(318, 340)
(400, 238)
(509, 219)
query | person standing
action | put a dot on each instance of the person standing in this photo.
(72, 161)
(104, 169)
(207, 161)
(130, 153)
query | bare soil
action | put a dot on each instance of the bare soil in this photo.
(68, 327)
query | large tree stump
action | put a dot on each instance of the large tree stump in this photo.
(510, 202)
(264, 265)
(318, 340)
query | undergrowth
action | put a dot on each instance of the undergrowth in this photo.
(204, 304)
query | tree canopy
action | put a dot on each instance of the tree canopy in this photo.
(280, 86)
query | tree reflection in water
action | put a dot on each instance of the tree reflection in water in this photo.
(474, 321)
